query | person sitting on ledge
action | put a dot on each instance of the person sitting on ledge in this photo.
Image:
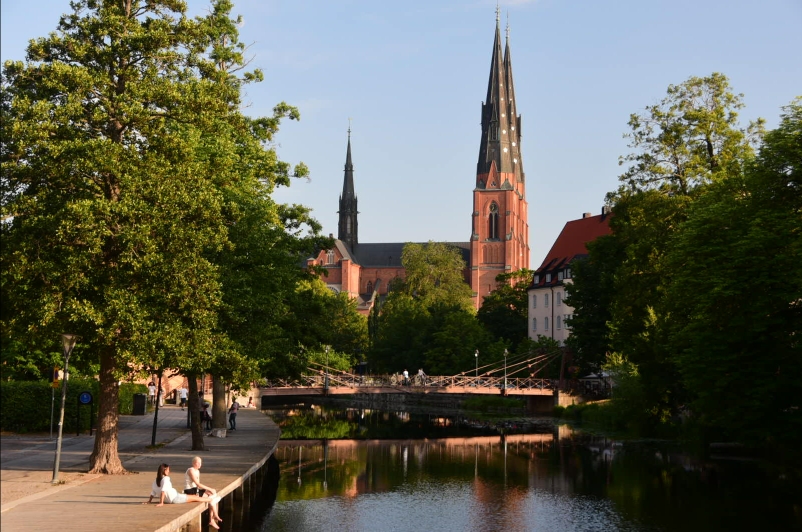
(163, 489)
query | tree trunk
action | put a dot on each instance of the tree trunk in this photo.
(194, 414)
(219, 407)
(104, 458)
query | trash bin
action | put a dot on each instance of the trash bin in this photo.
(140, 400)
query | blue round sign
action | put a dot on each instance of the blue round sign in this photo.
(85, 398)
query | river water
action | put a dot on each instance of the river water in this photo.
(401, 471)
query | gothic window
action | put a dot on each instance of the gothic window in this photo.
(330, 257)
(492, 232)
(369, 289)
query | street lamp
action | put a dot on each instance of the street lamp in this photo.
(476, 355)
(68, 342)
(326, 382)
(505, 372)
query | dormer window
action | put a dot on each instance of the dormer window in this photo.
(568, 273)
(537, 279)
(548, 277)
(560, 275)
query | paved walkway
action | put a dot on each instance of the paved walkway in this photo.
(102, 503)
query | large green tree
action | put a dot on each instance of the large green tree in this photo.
(679, 146)
(504, 312)
(115, 172)
(416, 327)
(734, 303)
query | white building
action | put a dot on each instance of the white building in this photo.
(547, 308)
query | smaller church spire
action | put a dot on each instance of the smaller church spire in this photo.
(347, 227)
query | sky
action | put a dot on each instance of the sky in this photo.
(410, 76)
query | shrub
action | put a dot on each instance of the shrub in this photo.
(26, 408)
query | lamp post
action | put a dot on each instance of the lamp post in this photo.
(326, 380)
(505, 372)
(67, 342)
(476, 356)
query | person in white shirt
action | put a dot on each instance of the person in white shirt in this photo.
(182, 393)
(152, 393)
(163, 489)
(192, 483)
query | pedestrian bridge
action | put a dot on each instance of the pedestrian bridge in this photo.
(322, 382)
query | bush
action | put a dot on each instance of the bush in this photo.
(26, 408)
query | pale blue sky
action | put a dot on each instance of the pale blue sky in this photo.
(412, 75)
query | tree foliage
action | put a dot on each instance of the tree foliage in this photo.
(428, 319)
(504, 312)
(683, 145)
(435, 274)
(688, 138)
(125, 158)
(734, 304)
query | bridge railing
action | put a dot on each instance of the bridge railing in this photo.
(348, 380)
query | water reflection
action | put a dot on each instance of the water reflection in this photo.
(550, 479)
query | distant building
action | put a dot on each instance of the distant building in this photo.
(547, 308)
(499, 237)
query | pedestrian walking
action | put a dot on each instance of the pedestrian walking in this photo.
(182, 394)
(232, 415)
(152, 393)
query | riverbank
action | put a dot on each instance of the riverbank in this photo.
(101, 502)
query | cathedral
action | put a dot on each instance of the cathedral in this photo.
(499, 235)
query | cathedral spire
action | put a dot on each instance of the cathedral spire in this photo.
(499, 124)
(347, 227)
(512, 112)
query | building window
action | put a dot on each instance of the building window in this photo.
(560, 275)
(534, 324)
(568, 273)
(565, 320)
(330, 257)
(558, 323)
(534, 300)
(492, 228)
(559, 299)
(369, 289)
(546, 300)
(545, 324)
(537, 279)
(548, 277)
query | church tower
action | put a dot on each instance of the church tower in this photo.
(347, 228)
(500, 236)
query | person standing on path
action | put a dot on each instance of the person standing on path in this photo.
(182, 393)
(192, 483)
(232, 415)
(152, 393)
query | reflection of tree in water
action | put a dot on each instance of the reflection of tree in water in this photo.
(310, 426)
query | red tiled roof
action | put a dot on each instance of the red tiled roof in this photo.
(573, 240)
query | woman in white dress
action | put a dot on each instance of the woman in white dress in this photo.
(163, 489)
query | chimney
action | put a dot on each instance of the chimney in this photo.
(586, 215)
(605, 210)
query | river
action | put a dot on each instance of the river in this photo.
(424, 472)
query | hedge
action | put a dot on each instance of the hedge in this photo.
(26, 407)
